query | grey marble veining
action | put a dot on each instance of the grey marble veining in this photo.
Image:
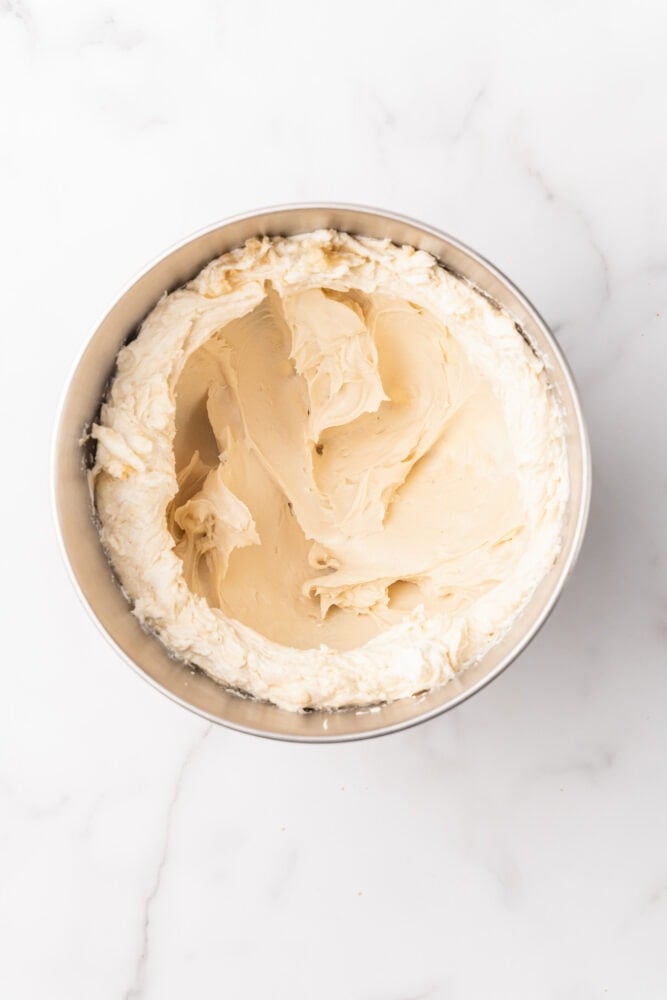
(513, 848)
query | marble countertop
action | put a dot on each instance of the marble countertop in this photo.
(514, 848)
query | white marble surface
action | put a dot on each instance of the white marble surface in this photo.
(516, 847)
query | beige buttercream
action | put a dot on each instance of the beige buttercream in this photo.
(328, 472)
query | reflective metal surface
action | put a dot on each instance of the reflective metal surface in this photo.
(90, 570)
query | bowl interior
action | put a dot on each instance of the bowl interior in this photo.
(88, 565)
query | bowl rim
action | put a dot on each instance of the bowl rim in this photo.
(582, 513)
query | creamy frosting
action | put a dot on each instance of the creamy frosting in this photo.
(329, 472)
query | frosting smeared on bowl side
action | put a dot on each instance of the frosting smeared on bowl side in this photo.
(329, 472)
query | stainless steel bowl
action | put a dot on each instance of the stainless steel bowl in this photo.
(87, 563)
